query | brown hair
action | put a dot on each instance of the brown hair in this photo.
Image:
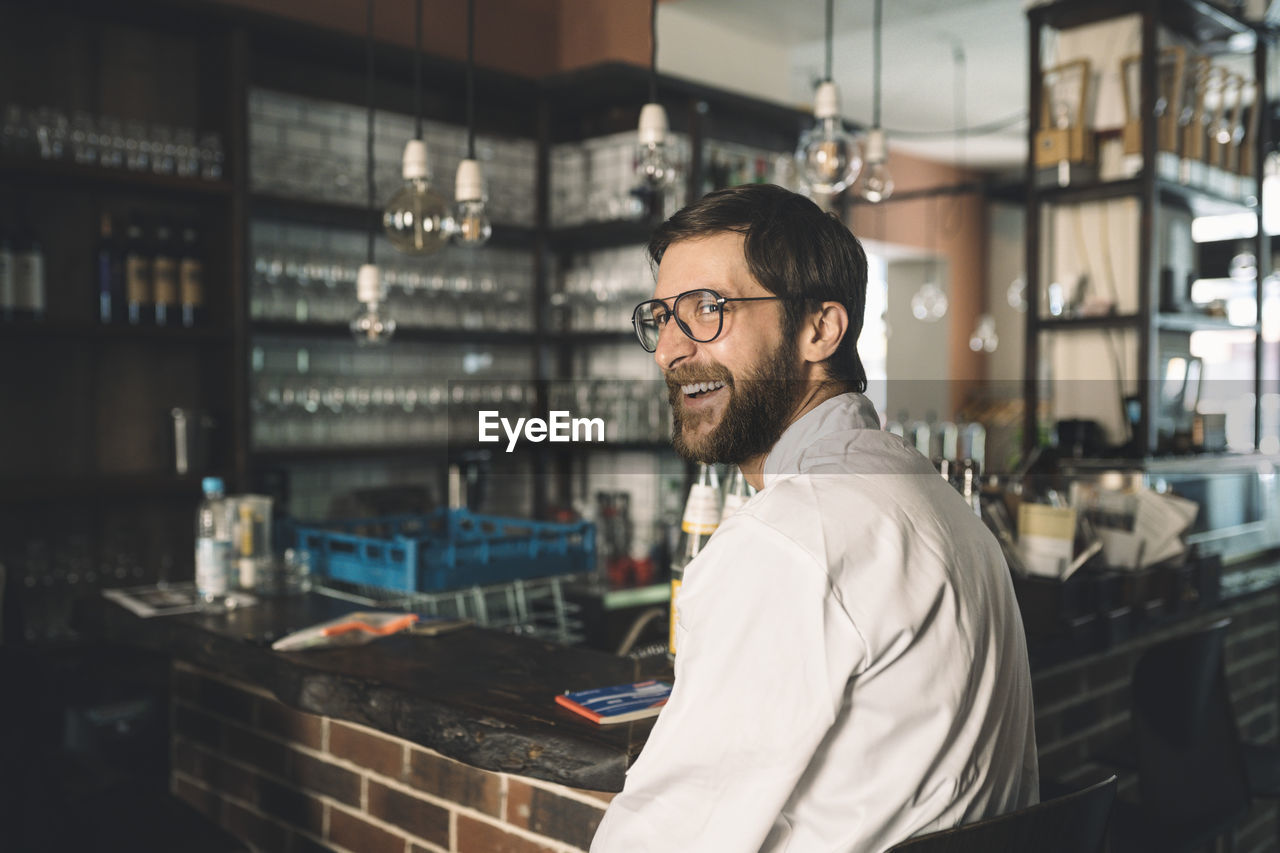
(793, 249)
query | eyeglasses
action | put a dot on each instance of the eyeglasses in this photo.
(698, 313)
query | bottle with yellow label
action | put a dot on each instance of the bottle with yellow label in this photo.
(701, 517)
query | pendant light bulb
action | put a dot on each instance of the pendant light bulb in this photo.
(929, 303)
(877, 184)
(828, 157)
(371, 326)
(653, 158)
(473, 226)
(417, 220)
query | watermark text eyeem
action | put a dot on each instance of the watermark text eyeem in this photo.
(560, 427)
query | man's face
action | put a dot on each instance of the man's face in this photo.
(753, 372)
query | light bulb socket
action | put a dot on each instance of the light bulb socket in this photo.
(826, 100)
(876, 150)
(653, 124)
(414, 164)
(369, 284)
(469, 183)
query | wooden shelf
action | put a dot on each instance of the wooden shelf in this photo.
(339, 331)
(34, 171)
(601, 235)
(594, 336)
(1107, 321)
(413, 450)
(352, 217)
(1200, 323)
(1201, 202)
(101, 486)
(1200, 20)
(94, 331)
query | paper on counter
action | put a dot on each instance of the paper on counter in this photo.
(1046, 538)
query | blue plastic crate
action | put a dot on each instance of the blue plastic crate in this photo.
(446, 549)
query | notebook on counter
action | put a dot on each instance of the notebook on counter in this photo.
(621, 703)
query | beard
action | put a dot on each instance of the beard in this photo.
(760, 406)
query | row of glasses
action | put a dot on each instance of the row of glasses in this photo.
(319, 410)
(491, 290)
(599, 289)
(632, 410)
(111, 142)
(595, 180)
(316, 149)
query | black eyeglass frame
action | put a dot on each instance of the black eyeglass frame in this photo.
(671, 313)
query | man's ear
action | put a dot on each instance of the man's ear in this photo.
(822, 332)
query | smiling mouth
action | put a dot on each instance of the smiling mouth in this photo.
(697, 390)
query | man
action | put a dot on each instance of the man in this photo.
(851, 668)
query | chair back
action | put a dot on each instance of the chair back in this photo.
(1074, 823)
(1190, 766)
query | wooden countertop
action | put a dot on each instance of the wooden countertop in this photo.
(480, 696)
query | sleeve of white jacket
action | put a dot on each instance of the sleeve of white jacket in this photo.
(764, 656)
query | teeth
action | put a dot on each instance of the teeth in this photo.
(701, 387)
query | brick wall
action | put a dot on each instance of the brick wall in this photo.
(1082, 707)
(288, 782)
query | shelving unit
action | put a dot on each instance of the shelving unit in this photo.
(1159, 334)
(88, 452)
(87, 473)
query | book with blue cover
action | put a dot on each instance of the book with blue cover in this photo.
(620, 703)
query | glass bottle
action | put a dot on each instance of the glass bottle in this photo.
(191, 279)
(6, 275)
(213, 544)
(737, 493)
(701, 517)
(137, 276)
(164, 277)
(28, 276)
(109, 274)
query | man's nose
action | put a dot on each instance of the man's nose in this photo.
(673, 345)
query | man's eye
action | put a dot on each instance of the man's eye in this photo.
(708, 309)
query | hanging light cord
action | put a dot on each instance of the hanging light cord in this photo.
(961, 107)
(653, 51)
(875, 68)
(830, 19)
(471, 79)
(417, 68)
(368, 148)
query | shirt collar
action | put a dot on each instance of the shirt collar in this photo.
(840, 413)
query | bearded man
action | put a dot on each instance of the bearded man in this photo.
(851, 666)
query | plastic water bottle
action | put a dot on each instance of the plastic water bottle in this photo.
(213, 544)
(701, 518)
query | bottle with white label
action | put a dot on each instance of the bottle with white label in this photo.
(213, 544)
(701, 518)
(28, 277)
(6, 276)
(737, 493)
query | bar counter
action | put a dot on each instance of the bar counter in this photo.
(479, 696)
(454, 743)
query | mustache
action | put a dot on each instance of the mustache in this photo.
(688, 375)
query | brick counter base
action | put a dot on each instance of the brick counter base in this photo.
(1082, 706)
(287, 782)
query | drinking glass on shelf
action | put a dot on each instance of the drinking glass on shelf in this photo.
(137, 146)
(211, 156)
(15, 134)
(112, 142)
(186, 152)
(52, 133)
(84, 138)
(164, 150)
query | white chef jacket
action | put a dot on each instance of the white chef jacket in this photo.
(851, 666)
